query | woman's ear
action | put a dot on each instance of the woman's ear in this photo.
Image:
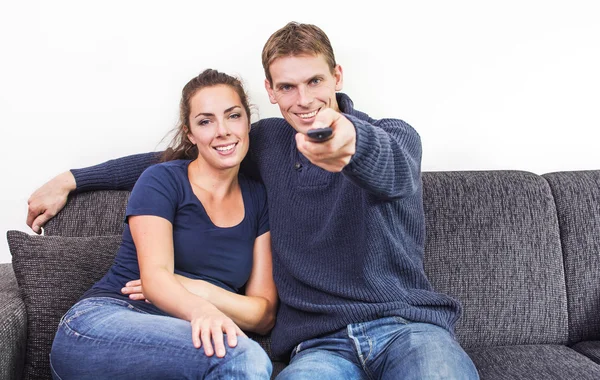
(190, 137)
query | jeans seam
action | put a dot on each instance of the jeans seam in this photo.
(52, 368)
(359, 351)
(365, 366)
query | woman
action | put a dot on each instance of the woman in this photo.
(197, 232)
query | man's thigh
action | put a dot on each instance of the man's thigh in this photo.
(393, 348)
(331, 357)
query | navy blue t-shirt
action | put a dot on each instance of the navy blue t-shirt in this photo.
(221, 256)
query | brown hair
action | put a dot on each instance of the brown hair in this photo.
(181, 147)
(297, 39)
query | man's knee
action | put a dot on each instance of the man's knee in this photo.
(318, 364)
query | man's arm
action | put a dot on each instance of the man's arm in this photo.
(387, 161)
(381, 156)
(118, 174)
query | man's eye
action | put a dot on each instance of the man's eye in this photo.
(285, 88)
(315, 81)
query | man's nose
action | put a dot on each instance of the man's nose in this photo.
(305, 96)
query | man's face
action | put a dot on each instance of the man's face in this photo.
(302, 86)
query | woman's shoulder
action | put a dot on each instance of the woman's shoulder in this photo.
(254, 185)
(175, 167)
(165, 172)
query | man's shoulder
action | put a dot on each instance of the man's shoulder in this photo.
(270, 129)
(269, 122)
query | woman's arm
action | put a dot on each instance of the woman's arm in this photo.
(153, 239)
(254, 311)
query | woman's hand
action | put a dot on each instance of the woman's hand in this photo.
(135, 290)
(210, 323)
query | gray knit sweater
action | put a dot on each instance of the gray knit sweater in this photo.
(347, 247)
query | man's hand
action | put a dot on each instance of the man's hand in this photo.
(48, 200)
(335, 153)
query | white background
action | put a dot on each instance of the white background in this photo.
(488, 85)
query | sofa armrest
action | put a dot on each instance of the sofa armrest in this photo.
(13, 326)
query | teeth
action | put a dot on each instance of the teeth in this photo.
(225, 148)
(307, 115)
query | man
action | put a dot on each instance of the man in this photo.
(347, 226)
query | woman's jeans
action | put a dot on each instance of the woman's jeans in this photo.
(387, 348)
(106, 338)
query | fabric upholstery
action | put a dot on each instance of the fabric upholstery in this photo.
(52, 273)
(546, 362)
(493, 243)
(577, 196)
(13, 325)
(98, 213)
(591, 349)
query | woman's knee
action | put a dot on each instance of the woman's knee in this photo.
(246, 360)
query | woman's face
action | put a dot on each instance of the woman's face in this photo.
(219, 126)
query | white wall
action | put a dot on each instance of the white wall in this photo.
(507, 85)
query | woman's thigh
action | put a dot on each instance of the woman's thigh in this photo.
(108, 338)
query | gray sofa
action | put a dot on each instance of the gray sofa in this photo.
(520, 251)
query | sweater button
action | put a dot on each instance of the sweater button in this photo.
(297, 166)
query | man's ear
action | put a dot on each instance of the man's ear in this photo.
(270, 92)
(339, 77)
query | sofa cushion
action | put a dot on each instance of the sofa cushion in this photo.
(543, 362)
(492, 241)
(97, 213)
(52, 273)
(577, 196)
(589, 349)
(13, 321)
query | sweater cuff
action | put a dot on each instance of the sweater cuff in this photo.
(89, 179)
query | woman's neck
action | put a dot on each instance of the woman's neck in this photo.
(217, 182)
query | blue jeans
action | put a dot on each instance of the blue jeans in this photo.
(387, 348)
(106, 338)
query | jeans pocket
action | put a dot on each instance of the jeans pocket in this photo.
(296, 350)
(401, 320)
(80, 308)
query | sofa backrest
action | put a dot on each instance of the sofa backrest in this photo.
(492, 241)
(96, 213)
(577, 196)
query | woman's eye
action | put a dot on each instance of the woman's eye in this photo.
(235, 116)
(203, 122)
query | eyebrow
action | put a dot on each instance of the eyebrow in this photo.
(277, 85)
(212, 114)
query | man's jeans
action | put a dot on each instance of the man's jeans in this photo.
(106, 338)
(387, 348)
